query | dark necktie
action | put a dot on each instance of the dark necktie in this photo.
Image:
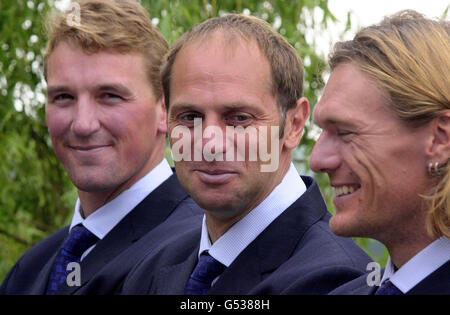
(388, 288)
(76, 243)
(205, 272)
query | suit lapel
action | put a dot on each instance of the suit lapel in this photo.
(274, 245)
(172, 279)
(148, 214)
(39, 286)
(362, 288)
(243, 274)
(278, 242)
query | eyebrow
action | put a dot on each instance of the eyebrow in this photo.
(226, 107)
(182, 107)
(332, 121)
(114, 87)
(51, 90)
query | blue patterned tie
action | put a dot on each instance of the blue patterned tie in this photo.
(205, 272)
(78, 240)
(388, 288)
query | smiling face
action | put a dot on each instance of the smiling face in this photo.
(106, 126)
(374, 161)
(225, 87)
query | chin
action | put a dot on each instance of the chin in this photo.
(342, 227)
(351, 227)
(94, 185)
(209, 204)
(218, 208)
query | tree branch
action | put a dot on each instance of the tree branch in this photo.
(16, 238)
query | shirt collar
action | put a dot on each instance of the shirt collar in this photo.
(105, 218)
(242, 233)
(420, 266)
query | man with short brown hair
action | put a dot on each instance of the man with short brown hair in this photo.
(107, 121)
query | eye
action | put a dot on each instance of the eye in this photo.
(111, 96)
(343, 133)
(239, 119)
(62, 97)
(189, 117)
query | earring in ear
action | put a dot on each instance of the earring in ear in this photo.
(433, 169)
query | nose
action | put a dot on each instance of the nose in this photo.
(85, 120)
(213, 143)
(325, 156)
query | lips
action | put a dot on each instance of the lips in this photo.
(89, 148)
(214, 176)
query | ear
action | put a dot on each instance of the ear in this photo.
(295, 122)
(162, 115)
(438, 149)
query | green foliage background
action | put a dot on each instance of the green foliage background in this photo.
(36, 196)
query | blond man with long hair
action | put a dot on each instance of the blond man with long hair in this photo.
(385, 144)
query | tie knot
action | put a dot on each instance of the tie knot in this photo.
(208, 268)
(388, 288)
(205, 272)
(79, 240)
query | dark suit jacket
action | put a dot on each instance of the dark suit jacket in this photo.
(165, 206)
(296, 254)
(437, 283)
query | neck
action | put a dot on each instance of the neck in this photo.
(402, 249)
(219, 226)
(92, 201)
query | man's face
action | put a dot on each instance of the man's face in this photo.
(224, 87)
(103, 119)
(374, 161)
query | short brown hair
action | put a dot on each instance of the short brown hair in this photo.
(122, 26)
(285, 64)
(408, 56)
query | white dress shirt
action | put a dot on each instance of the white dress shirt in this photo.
(420, 266)
(243, 232)
(105, 218)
